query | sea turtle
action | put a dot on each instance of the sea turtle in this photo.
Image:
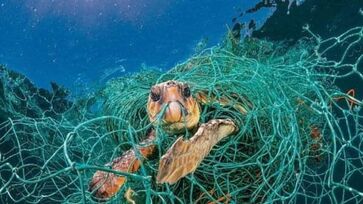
(172, 106)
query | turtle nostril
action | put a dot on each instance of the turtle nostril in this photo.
(170, 83)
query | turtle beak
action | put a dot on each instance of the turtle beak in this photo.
(174, 112)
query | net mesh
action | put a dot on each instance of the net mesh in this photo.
(301, 141)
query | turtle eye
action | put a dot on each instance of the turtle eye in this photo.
(186, 92)
(154, 96)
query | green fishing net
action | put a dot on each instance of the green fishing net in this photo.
(300, 142)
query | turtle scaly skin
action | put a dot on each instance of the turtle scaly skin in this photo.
(171, 106)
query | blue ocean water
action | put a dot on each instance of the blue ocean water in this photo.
(82, 41)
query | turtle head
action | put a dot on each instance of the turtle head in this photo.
(172, 106)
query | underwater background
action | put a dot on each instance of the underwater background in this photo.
(74, 42)
(76, 73)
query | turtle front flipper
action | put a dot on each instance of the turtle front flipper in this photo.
(241, 103)
(104, 185)
(184, 156)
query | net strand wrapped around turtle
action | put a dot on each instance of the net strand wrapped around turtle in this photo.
(301, 141)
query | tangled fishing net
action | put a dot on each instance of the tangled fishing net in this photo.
(301, 141)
